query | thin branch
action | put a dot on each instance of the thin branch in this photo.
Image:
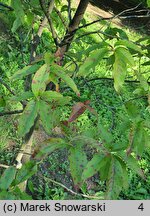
(69, 10)
(11, 112)
(71, 191)
(7, 86)
(61, 17)
(54, 35)
(6, 6)
(4, 166)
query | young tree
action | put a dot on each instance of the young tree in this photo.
(43, 97)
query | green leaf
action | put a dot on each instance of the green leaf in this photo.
(94, 58)
(27, 118)
(55, 97)
(92, 166)
(2, 101)
(5, 195)
(18, 8)
(139, 139)
(40, 80)
(132, 109)
(46, 116)
(104, 167)
(78, 162)
(129, 45)
(51, 95)
(114, 182)
(7, 178)
(27, 170)
(30, 69)
(132, 163)
(105, 136)
(17, 23)
(148, 3)
(119, 70)
(60, 72)
(124, 55)
(50, 145)
(24, 96)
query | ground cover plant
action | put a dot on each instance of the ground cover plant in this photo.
(74, 103)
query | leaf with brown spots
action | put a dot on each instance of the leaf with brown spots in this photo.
(78, 161)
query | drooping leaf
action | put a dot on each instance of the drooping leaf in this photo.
(77, 110)
(129, 45)
(105, 136)
(92, 167)
(104, 167)
(94, 58)
(7, 178)
(40, 80)
(60, 72)
(30, 69)
(27, 118)
(78, 161)
(50, 145)
(27, 170)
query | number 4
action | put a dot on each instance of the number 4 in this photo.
(141, 207)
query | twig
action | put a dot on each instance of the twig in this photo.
(69, 190)
(54, 35)
(6, 6)
(69, 10)
(4, 166)
(11, 112)
(61, 17)
(7, 86)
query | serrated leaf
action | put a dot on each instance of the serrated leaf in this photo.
(40, 80)
(7, 178)
(27, 170)
(60, 72)
(129, 45)
(27, 118)
(50, 145)
(24, 96)
(94, 58)
(78, 161)
(114, 182)
(30, 69)
(124, 55)
(132, 163)
(119, 70)
(92, 167)
(18, 8)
